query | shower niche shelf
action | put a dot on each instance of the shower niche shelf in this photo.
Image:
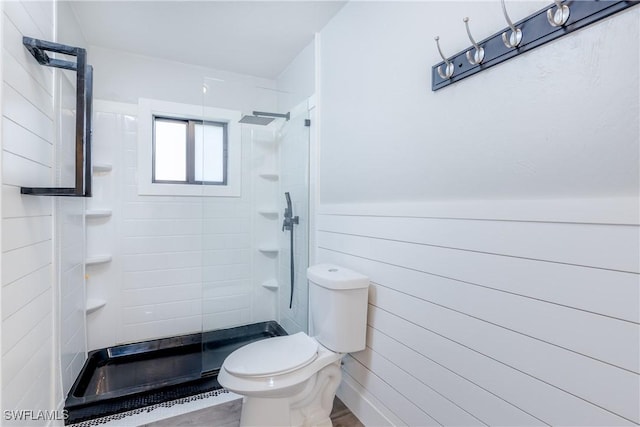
(271, 176)
(102, 167)
(271, 284)
(269, 250)
(94, 304)
(268, 212)
(98, 259)
(98, 213)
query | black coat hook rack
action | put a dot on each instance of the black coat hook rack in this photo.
(542, 27)
(84, 98)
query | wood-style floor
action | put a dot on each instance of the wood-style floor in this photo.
(341, 416)
(228, 415)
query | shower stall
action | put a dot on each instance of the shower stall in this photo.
(193, 277)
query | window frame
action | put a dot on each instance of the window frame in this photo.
(190, 147)
(147, 109)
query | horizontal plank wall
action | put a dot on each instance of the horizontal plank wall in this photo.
(28, 135)
(492, 322)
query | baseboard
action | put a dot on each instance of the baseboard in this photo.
(367, 408)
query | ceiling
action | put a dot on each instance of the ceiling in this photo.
(258, 38)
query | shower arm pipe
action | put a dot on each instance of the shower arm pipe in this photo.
(286, 116)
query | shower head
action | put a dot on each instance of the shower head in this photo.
(261, 118)
(255, 120)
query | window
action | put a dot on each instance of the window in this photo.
(180, 145)
(189, 151)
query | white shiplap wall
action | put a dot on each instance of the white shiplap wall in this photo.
(495, 321)
(28, 131)
(43, 280)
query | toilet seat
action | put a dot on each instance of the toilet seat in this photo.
(272, 356)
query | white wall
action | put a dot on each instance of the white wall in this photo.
(124, 77)
(497, 218)
(297, 82)
(44, 343)
(530, 128)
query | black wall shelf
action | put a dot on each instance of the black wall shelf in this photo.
(536, 31)
(84, 99)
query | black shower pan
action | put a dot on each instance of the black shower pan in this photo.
(132, 376)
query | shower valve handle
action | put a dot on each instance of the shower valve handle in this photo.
(289, 221)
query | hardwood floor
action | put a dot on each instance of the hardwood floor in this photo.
(341, 416)
(228, 415)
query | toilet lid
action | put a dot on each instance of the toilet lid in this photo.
(272, 356)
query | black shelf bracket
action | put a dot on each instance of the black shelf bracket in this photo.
(84, 101)
(536, 30)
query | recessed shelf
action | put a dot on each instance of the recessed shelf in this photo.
(94, 304)
(270, 284)
(97, 213)
(271, 176)
(98, 259)
(269, 249)
(268, 211)
(102, 167)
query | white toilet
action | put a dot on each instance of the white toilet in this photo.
(292, 380)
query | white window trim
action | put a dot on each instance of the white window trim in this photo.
(147, 109)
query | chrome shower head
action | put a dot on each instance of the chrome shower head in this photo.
(262, 118)
(255, 120)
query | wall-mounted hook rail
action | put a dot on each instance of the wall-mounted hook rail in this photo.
(84, 97)
(514, 39)
(535, 30)
(449, 68)
(560, 15)
(478, 53)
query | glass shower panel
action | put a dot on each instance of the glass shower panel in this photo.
(242, 286)
(293, 144)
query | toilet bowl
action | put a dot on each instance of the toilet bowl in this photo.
(292, 380)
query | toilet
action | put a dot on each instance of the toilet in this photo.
(292, 380)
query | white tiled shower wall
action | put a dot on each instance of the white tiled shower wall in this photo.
(180, 264)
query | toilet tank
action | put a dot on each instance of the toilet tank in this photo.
(338, 299)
